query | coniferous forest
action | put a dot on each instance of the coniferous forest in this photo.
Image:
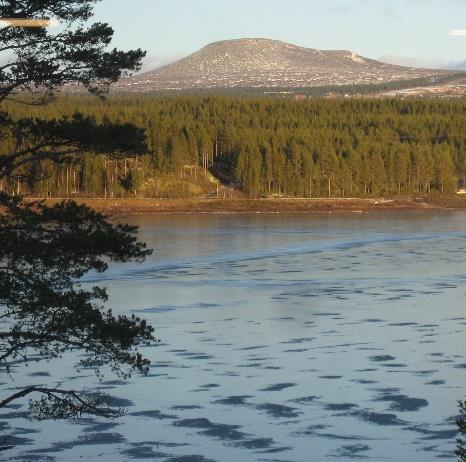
(265, 147)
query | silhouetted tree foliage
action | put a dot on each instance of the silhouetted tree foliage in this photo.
(44, 251)
(59, 140)
(43, 61)
(44, 311)
(351, 147)
(461, 443)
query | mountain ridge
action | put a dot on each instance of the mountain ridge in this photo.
(259, 62)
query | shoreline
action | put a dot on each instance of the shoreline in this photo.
(132, 206)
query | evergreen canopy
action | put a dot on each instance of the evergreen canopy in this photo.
(317, 148)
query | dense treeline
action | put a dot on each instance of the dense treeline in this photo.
(266, 147)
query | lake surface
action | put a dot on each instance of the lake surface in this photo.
(283, 338)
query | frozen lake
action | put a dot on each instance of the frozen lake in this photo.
(284, 338)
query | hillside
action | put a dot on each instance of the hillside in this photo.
(257, 62)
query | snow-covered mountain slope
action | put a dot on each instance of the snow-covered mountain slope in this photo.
(257, 62)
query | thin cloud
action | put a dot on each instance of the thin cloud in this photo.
(410, 61)
(458, 33)
(152, 62)
(425, 63)
(31, 22)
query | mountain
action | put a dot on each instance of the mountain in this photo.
(258, 62)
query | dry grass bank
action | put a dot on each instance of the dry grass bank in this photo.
(336, 205)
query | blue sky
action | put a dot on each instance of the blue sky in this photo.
(402, 31)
